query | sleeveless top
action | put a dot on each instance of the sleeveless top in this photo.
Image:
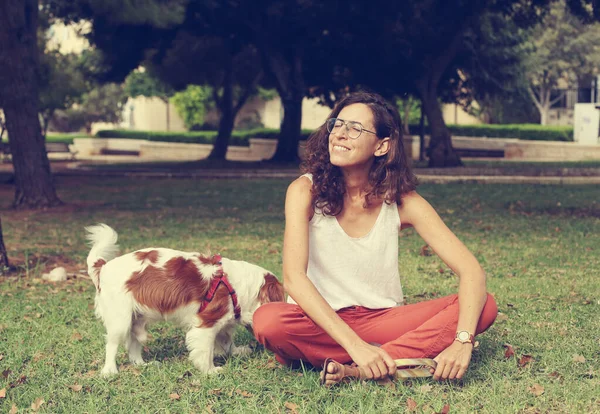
(350, 271)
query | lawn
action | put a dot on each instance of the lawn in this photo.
(538, 244)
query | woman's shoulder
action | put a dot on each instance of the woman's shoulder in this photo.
(411, 204)
(414, 208)
(299, 189)
(301, 185)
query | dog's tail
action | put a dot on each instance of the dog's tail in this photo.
(103, 240)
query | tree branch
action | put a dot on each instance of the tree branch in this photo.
(562, 95)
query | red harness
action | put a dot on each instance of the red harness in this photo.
(218, 278)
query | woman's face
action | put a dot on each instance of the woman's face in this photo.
(347, 152)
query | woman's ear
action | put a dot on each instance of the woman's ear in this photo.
(383, 147)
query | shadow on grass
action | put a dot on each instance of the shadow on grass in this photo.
(206, 164)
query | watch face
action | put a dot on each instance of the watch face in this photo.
(463, 336)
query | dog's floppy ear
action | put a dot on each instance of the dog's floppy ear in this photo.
(210, 259)
(271, 291)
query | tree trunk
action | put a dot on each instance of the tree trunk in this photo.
(18, 87)
(544, 112)
(3, 255)
(422, 134)
(440, 151)
(289, 138)
(168, 114)
(289, 81)
(405, 121)
(226, 122)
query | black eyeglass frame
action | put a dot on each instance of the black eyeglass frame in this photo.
(347, 124)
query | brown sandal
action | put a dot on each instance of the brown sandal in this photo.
(407, 368)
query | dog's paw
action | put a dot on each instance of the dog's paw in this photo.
(137, 361)
(214, 370)
(241, 350)
(109, 371)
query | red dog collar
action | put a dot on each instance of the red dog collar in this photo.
(218, 278)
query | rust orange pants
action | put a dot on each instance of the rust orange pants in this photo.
(420, 330)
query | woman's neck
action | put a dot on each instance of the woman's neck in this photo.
(357, 184)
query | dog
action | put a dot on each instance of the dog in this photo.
(206, 295)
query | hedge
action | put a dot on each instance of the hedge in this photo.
(522, 131)
(532, 132)
(240, 138)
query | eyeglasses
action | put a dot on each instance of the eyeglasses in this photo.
(353, 128)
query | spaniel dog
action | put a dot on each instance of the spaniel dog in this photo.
(206, 295)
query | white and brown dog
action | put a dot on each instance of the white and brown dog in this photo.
(206, 295)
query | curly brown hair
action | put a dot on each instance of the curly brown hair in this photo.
(390, 176)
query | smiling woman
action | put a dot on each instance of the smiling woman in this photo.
(340, 261)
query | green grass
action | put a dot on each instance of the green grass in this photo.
(538, 244)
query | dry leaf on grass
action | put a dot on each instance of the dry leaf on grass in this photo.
(1, 357)
(76, 337)
(3, 393)
(578, 358)
(555, 375)
(37, 404)
(6, 373)
(509, 352)
(292, 407)
(244, 394)
(524, 360)
(425, 251)
(445, 409)
(174, 396)
(76, 387)
(411, 405)
(208, 410)
(13, 409)
(536, 390)
(425, 388)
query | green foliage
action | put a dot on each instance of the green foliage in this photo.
(267, 94)
(562, 49)
(62, 82)
(102, 104)
(533, 132)
(143, 83)
(192, 103)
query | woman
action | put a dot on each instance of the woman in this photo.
(340, 258)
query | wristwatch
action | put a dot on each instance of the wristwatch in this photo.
(465, 337)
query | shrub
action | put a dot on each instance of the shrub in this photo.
(238, 138)
(532, 132)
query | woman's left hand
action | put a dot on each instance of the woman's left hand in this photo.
(452, 362)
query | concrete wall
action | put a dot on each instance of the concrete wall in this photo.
(454, 114)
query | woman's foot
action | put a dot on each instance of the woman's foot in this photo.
(333, 372)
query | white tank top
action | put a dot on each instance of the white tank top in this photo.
(350, 271)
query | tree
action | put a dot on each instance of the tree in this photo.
(206, 53)
(144, 83)
(192, 103)
(563, 49)
(421, 49)
(19, 98)
(62, 84)
(102, 104)
(493, 84)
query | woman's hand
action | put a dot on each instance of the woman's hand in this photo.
(452, 362)
(373, 361)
